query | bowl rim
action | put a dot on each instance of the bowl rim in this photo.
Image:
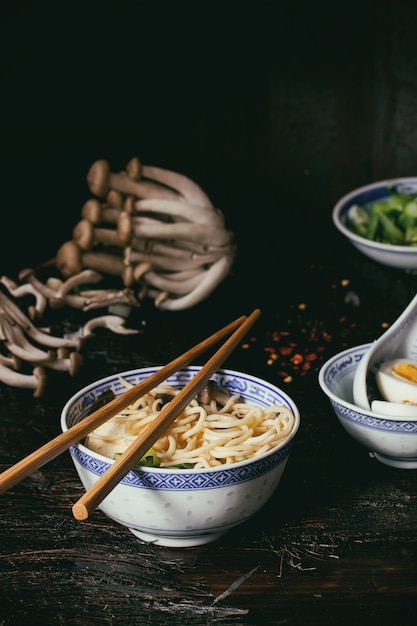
(164, 470)
(349, 405)
(363, 241)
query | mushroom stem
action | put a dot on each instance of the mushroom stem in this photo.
(86, 235)
(182, 184)
(181, 211)
(171, 264)
(35, 381)
(20, 291)
(214, 275)
(85, 277)
(167, 282)
(71, 363)
(70, 259)
(150, 228)
(100, 180)
(16, 342)
(97, 213)
(115, 323)
(10, 360)
(42, 338)
(171, 249)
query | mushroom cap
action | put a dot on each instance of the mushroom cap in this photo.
(25, 273)
(129, 205)
(114, 199)
(128, 275)
(68, 259)
(91, 211)
(76, 362)
(83, 234)
(134, 168)
(40, 374)
(125, 228)
(98, 177)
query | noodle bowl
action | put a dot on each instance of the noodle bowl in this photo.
(237, 454)
(201, 436)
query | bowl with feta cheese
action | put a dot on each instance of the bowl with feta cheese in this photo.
(380, 220)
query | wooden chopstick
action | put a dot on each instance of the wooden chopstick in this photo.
(107, 481)
(56, 446)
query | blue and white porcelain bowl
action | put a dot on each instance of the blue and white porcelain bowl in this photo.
(392, 440)
(177, 507)
(399, 256)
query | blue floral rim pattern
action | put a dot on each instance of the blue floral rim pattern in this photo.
(249, 387)
(338, 369)
(392, 426)
(180, 480)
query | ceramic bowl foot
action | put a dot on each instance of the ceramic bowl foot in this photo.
(400, 463)
(176, 542)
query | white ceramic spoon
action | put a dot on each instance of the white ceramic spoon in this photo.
(399, 341)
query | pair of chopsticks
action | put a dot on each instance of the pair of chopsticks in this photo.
(102, 487)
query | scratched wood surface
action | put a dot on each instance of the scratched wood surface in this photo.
(336, 542)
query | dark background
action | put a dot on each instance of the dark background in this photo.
(275, 108)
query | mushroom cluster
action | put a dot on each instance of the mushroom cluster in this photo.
(27, 351)
(24, 343)
(154, 231)
(153, 228)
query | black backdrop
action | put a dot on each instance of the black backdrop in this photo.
(275, 108)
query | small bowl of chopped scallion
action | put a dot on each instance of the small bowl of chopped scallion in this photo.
(380, 220)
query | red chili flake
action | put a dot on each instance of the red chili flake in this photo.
(311, 357)
(302, 306)
(288, 379)
(345, 282)
(297, 359)
(276, 335)
(285, 350)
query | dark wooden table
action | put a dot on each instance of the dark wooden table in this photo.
(336, 544)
